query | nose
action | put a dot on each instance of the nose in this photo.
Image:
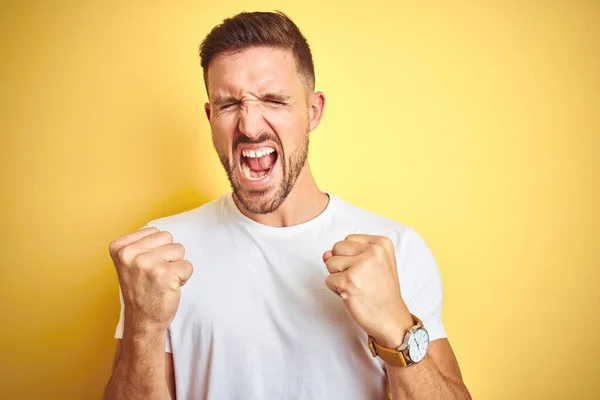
(251, 121)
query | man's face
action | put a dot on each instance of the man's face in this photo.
(260, 122)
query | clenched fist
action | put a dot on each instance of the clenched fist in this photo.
(363, 273)
(151, 271)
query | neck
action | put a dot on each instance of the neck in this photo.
(302, 204)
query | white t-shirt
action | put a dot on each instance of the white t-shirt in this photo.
(256, 320)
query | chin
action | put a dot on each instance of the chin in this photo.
(259, 201)
(259, 192)
(260, 178)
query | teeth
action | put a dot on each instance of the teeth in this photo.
(258, 153)
(246, 171)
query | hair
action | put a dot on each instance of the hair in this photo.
(256, 29)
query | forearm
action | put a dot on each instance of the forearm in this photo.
(140, 371)
(423, 381)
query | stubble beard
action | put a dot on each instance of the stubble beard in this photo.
(259, 201)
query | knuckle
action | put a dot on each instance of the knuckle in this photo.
(179, 247)
(389, 244)
(385, 241)
(363, 262)
(329, 282)
(189, 268)
(167, 235)
(329, 264)
(124, 253)
(352, 277)
(141, 261)
(377, 250)
(114, 246)
(336, 248)
(145, 261)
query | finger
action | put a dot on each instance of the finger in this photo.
(348, 248)
(155, 240)
(339, 263)
(335, 283)
(327, 255)
(169, 252)
(183, 271)
(382, 241)
(128, 253)
(123, 241)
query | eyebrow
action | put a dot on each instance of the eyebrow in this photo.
(276, 96)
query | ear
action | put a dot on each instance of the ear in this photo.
(316, 107)
(207, 110)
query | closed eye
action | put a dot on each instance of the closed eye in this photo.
(229, 105)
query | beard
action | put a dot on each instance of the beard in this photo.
(261, 201)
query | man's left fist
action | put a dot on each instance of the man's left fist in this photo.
(362, 271)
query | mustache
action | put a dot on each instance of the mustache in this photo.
(264, 137)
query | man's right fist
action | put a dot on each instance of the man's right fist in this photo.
(151, 271)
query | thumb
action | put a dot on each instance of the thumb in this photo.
(327, 255)
(183, 270)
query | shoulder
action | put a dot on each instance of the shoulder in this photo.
(418, 272)
(368, 222)
(411, 248)
(205, 218)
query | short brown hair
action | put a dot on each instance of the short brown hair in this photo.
(254, 29)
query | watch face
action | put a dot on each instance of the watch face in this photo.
(418, 345)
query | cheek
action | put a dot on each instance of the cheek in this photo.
(290, 128)
(222, 135)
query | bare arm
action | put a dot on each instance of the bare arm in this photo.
(363, 272)
(151, 271)
(436, 377)
(139, 375)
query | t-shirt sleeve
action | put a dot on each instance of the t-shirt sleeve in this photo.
(420, 282)
(168, 342)
(121, 324)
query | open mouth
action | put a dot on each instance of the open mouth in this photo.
(257, 164)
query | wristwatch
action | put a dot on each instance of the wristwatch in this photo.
(412, 350)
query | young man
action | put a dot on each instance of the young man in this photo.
(295, 293)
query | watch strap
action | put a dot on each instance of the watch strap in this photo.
(392, 356)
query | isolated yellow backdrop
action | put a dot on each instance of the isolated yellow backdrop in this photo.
(477, 123)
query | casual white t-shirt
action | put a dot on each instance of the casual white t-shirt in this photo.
(256, 320)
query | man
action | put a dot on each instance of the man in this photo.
(295, 293)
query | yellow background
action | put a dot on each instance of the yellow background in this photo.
(477, 123)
